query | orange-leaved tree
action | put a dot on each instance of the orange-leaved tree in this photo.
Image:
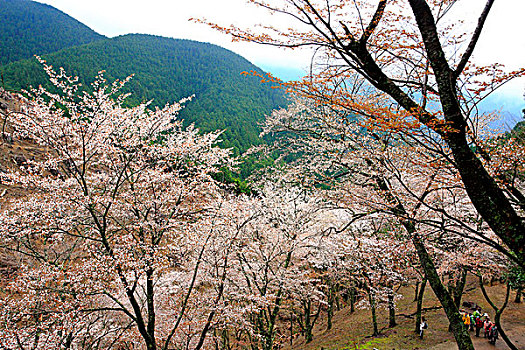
(420, 83)
(410, 51)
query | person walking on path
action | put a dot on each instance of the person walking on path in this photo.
(479, 325)
(422, 326)
(477, 312)
(486, 328)
(466, 320)
(493, 334)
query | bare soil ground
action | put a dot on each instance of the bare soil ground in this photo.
(13, 155)
(352, 330)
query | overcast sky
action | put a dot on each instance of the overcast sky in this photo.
(502, 41)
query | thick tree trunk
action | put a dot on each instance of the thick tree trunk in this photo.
(308, 336)
(420, 304)
(416, 291)
(457, 290)
(69, 341)
(307, 321)
(391, 309)
(352, 299)
(488, 199)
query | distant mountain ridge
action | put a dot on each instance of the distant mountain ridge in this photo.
(165, 70)
(30, 28)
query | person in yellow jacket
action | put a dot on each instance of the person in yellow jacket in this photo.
(466, 320)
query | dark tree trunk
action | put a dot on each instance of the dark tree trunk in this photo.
(69, 341)
(460, 333)
(307, 319)
(416, 291)
(391, 309)
(352, 299)
(457, 290)
(518, 296)
(150, 342)
(372, 301)
(330, 308)
(420, 304)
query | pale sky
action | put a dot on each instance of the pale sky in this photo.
(502, 41)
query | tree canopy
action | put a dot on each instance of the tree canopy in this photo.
(165, 70)
(30, 28)
(420, 86)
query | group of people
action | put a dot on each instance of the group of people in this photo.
(472, 320)
(476, 320)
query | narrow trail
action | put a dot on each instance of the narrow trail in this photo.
(352, 330)
(516, 334)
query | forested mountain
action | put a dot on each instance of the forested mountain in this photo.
(28, 28)
(166, 70)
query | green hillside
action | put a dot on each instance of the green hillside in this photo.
(28, 28)
(167, 70)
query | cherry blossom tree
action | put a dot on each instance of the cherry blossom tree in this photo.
(372, 173)
(408, 51)
(120, 218)
(276, 266)
(424, 89)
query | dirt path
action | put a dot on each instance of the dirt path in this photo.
(352, 330)
(516, 334)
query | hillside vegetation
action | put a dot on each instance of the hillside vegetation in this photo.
(383, 213)
(30, 28)
(166, 70)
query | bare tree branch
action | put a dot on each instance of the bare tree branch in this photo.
(474, 40)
